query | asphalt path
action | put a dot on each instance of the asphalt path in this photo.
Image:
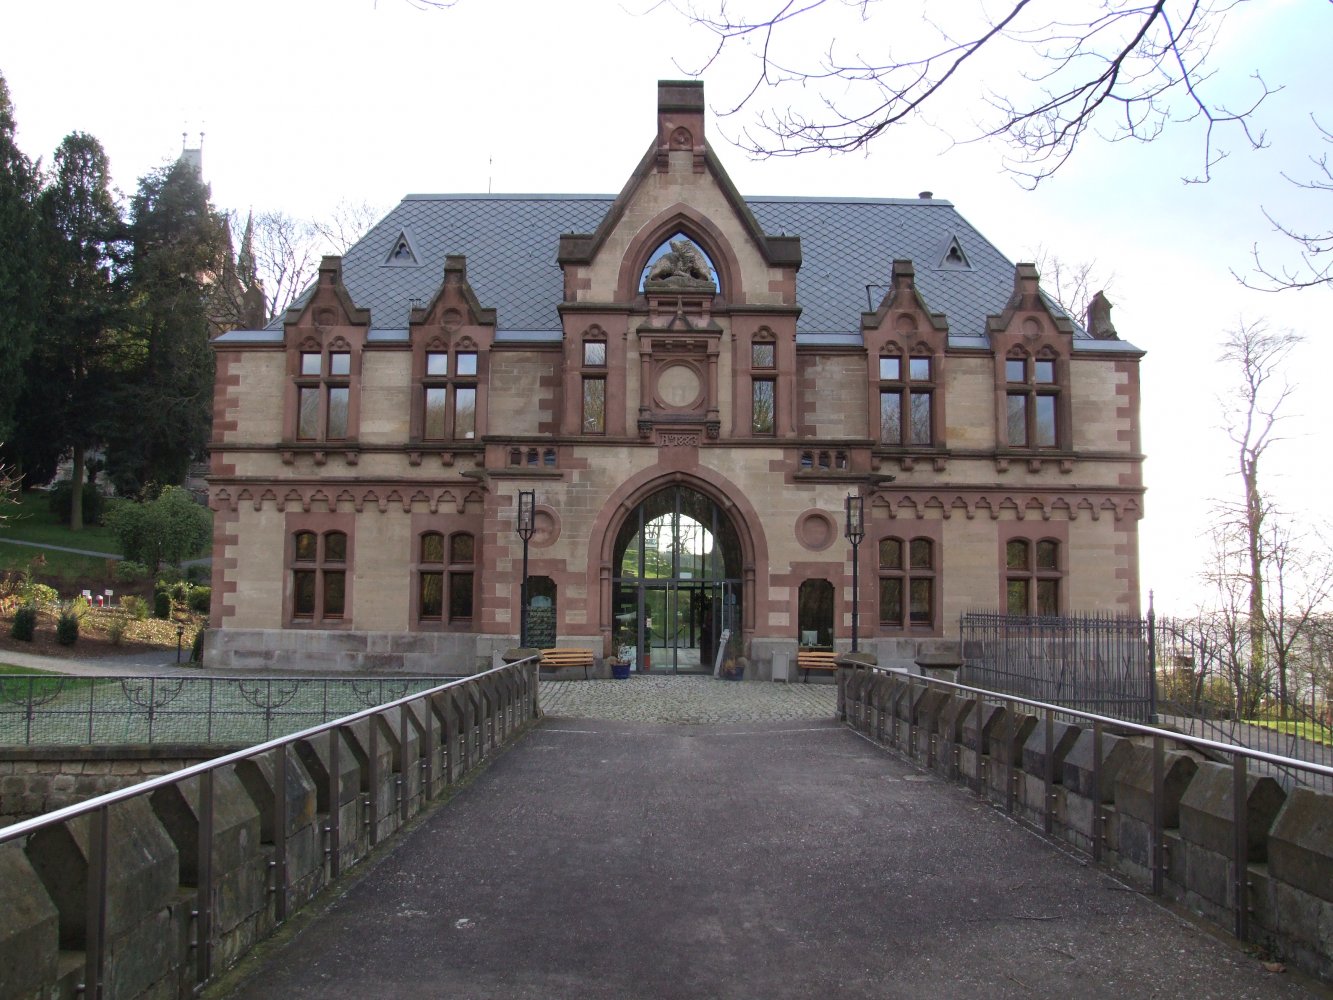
(603, 859)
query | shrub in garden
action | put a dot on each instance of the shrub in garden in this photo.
(67, 627)
(201, 599)
(167, 530)
(161, 604)
(198, 574)
(134, 606)
(115, 631)
(129, 571)
(25, 623)
(38, 594)
(197, 647)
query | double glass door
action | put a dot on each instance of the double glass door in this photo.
(676, 595)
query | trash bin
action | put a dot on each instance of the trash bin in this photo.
(781, 667)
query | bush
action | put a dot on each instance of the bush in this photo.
(161, 604)
(170, 529)
(201, 599)
(134, 606)
(197, 647)
(25, 623)
(67, 627)
(115, 631)
(60, 495)
(129, 571)
(198, 573)
(169, 575)
(38, 594)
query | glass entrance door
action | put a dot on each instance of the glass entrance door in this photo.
(677, 586)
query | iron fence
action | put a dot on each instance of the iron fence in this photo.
(50, 709)
(1092, 663)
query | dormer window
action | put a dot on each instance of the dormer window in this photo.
(403, 252)
(1032, 401)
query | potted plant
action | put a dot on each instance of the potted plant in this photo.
(619, 668)
(733, 664)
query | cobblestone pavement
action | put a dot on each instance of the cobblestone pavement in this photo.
(686, 699)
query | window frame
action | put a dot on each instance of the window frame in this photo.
(909, 579)
(1031, 395)
(1033, 577)
(457, 379)
(908, 388)
(763, 374)
(321, 382)
(322, 568)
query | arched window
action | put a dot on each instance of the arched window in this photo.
(907, 582)
(1032, 576)
(430, 577)
(679, 255)
(319, 576)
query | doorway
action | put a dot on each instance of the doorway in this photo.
(677, 584)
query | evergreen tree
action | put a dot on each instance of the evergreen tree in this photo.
(69, 372)
(21, 277)
(177, 265)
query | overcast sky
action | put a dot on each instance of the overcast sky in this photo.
(305, 103)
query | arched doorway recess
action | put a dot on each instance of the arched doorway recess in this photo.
(676, 583)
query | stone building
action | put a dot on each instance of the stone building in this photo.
(691, 384)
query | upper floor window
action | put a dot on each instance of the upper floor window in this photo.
(907, 387)
(448, 395)
(593, 385)
(323, 395)
(1032, 395)
(906, 582)
(1032, 577)
(319, 575)
(763, 386)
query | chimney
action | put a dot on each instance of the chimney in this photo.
(680, 124)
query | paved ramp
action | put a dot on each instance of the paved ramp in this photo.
(610, 859)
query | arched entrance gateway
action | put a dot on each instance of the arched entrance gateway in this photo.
(676, 583)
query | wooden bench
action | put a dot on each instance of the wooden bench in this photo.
(815, 659)
(555, 659)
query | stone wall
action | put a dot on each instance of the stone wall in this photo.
(285, 823)
(1103, 804)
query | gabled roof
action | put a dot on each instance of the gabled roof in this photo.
(847, 244)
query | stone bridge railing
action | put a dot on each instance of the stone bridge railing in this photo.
(152, 890)
(1197, 821)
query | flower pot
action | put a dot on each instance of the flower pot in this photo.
(620, 671)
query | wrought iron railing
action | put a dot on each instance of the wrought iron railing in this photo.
(49, 709)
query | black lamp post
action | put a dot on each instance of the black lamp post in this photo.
(526, 525)
(856, 530)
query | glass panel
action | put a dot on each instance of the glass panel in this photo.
(921, 612)
(306, 544)
(890, 369)
(1016, 555)
(432, 547)
(460, 596)
(920, 409)
(431, 604)
(303, 593)
(890, 553)
(594, 354)
(763, 406)
(890, 600)
(1017, 597)
(1018, 420)
(307, 420)
(1015, 370)
(922, 553)
(462, 548)
(335, 593)
(548, 458)
(1046, 555)
(436, 406)
(541, 612)
(465, 412)
(891, 417)
(1045, 421)
(437, 362)
(594, 406)
(763, 355)
(1048, 597)
(338, 397)
(815, 613)
(467, 362)
(918, 369)
(1043, 372)
(340, 363)
(310, 364)
(335, 547)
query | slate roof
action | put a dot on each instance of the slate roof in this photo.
(510, 242)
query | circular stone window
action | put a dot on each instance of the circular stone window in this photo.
(815, 530)
(546, 528)
(678, 387)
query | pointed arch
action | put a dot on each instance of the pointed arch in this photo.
(687, 221)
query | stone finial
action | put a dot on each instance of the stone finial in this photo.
(1099, 318)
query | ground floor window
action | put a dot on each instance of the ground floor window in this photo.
(906, 582)
(814, 613)
(445, 577)
(319, 576)
(1032, 577)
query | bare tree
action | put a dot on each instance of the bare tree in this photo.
(1071, 283)
(1298, 583)
(346, 224)
(1122, 70)
(1316, 246)
(1251, 415)
(285, 252)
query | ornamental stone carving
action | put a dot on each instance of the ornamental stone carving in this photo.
(682, 267)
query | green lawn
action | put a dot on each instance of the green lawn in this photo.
(62, 566)
(29, 520)
(9, 668)
(1307, 730)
